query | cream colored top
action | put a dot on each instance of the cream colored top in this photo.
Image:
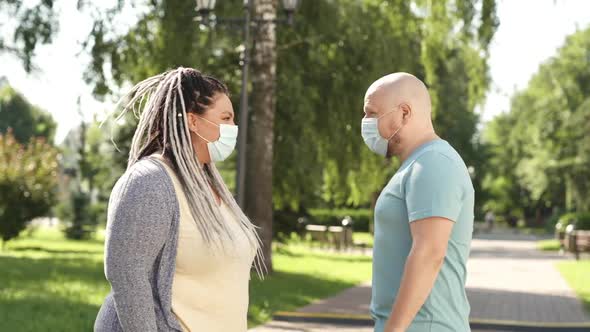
(210, 288)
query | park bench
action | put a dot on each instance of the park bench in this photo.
(318, 233)
(576, 241)
(338, 237)
(341, 237)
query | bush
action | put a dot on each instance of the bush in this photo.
(98, 213)
(583, 221)
(82, 224)
(361, 218)
(28, 181)
(286, 222)
(565, 220)
(79, 216)
(553, 220)
(568, 218)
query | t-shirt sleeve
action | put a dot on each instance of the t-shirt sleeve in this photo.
(434, 188)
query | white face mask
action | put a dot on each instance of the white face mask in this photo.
(223, 147)
(372, 137)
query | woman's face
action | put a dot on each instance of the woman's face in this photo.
(207, 124)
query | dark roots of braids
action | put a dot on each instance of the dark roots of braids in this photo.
(164, 101)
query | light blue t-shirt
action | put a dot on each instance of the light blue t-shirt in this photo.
(432, 182)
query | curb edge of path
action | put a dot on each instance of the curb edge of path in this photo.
(480, 324)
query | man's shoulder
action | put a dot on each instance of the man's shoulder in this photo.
(440, 157)
(439, 165)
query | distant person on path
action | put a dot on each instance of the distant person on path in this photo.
(490, 218)
(513, 223)
(178, 250)
(423, 217)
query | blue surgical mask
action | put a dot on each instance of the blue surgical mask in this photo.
(223, 147)
(372, 137)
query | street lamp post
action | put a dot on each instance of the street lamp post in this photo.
(205, 9)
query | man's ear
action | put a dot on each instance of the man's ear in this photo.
(406, 111)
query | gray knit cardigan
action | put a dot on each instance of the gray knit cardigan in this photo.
(140, 252)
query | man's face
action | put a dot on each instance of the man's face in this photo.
(389, 123)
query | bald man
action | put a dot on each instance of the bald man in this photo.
(423, 217)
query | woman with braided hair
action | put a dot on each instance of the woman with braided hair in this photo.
(179, 250)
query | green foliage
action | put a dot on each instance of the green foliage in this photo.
(288, 222)
(28, 180)
(25, 119)
(319, 110)
(553, 220)
(88, 155)
(34, 25)
(580, 220)
(568, 218)
(583, 221)
(319, 156)
(325, 62)
(541, 149)
(564, 221)
(63, 210)
(98, 213)
(82, 224)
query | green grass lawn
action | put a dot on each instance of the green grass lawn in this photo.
(52, 284)
(365, 237)
(548, 245)
(577, 274)
(533, 231)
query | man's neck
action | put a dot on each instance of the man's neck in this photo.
(416, 143)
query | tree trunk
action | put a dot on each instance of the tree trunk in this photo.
(258, 191)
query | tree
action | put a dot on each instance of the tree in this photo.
(323, 66)
(322, 71)
(501, 185)
(26, 120)
(544, 139)
(87, 156)
(259, 160)
(28, 180)
(329, 59)
(35, 25)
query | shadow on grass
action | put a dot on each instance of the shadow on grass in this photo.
(285, 291)
(45, 313)
(50, 293)
(25, 271)
(54, 251)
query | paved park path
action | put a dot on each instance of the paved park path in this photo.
(511, 287)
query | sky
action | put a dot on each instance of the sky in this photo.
(530, 32)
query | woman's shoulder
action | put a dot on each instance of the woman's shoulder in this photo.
(146, 178)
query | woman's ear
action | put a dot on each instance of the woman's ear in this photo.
(192, 121)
